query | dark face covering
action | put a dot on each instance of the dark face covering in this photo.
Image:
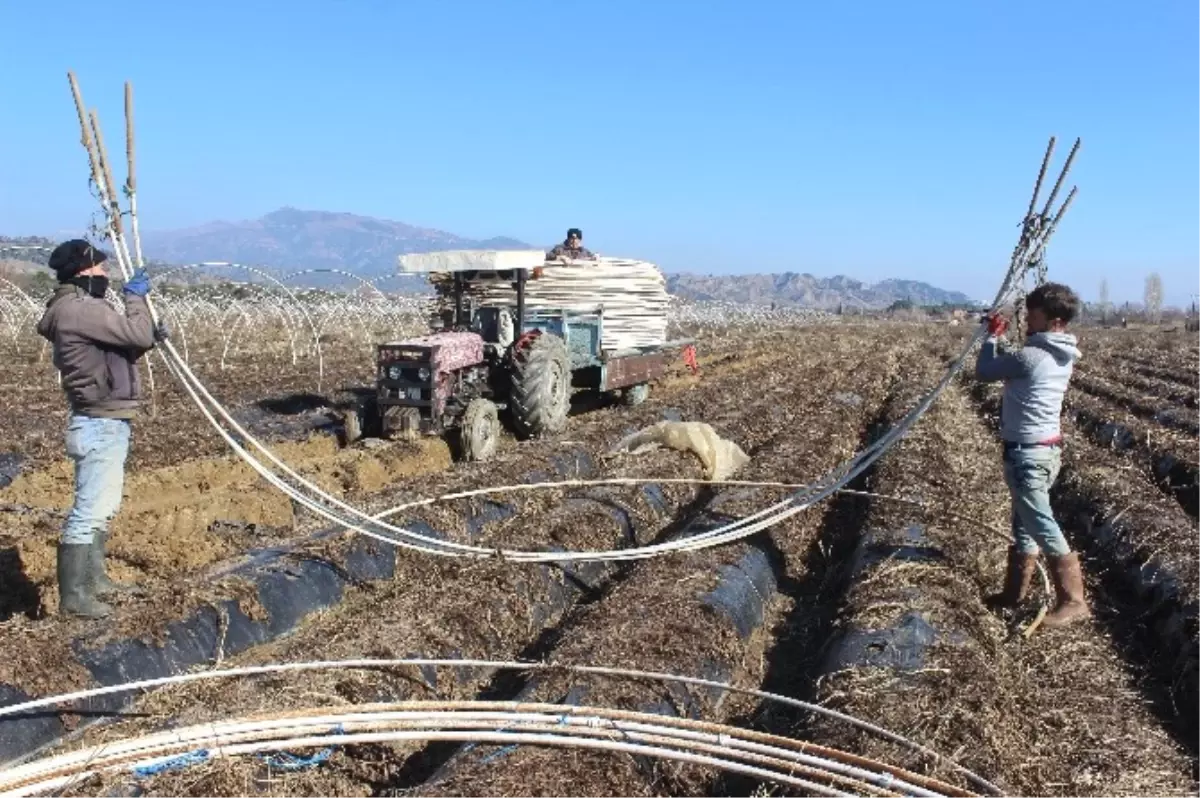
(94, 284)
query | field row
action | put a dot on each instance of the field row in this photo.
(871, 604)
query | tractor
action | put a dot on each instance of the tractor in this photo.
(481, 361)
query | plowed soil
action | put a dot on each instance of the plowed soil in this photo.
(798, 401)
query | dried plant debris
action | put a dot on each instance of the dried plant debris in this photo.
(866, 604)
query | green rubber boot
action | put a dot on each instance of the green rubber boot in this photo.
(76, 592)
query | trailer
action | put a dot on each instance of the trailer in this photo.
(518, 362)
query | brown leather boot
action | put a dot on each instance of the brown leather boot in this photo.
(1016, 580)
(1068, 585)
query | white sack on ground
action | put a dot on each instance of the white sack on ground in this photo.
(719, 457)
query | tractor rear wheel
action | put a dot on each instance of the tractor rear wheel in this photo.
(541, 386)
(479, 430)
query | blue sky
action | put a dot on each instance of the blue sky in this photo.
(874, 139)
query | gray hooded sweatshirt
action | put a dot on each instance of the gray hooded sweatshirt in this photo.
(1035, 380)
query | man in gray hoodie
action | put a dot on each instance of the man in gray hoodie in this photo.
(96, 349)
(1035, 381)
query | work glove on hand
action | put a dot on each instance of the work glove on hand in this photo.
(138, 284)
(996, 324)
(161, 332)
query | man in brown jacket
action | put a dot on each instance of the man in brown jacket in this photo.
(96, 349)
(572, 248)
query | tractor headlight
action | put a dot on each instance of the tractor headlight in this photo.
(423, 374)
(394, 372)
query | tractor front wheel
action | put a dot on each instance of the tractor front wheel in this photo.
(541, 386)
(479, 430)
(635, 394)
(360, 420)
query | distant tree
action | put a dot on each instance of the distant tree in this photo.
(901, 304)
(1103, 300)
(1153, 298)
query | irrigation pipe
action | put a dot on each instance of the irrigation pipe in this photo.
(1035, 233)
(481, 714)
(927, 507)
(734, 531)
(507, 722)
(499, 737)
(470, 716)
(594, 670)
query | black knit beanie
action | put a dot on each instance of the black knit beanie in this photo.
(71, 257)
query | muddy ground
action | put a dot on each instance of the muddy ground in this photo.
(182, 523)
(799, 401)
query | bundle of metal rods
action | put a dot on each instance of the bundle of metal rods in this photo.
(816, 769)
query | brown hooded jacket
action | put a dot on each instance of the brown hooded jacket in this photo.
(96, 350)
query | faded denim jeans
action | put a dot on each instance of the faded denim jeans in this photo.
(1029, 474)
(98, 447)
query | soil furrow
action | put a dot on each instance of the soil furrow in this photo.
(725, 604)
(866, 604)
(1143, 551)
(1139, 406)
(920, 654)
(1169, 459)
(549, 594)
(1169, 375)
(401, 620)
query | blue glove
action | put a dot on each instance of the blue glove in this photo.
(138, 284)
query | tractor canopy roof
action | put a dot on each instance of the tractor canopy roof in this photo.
(471, 260)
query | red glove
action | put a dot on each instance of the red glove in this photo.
(997, 324)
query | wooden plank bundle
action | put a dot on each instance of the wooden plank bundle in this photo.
(631, 294)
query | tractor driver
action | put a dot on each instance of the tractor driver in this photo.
(572, 248)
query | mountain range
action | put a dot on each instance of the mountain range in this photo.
(808, 291)
(295, 239)
(291, 239)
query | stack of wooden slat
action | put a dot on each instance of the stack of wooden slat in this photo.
(632, 295)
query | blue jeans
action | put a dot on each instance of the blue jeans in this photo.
(98, 447)
(1029, 474)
